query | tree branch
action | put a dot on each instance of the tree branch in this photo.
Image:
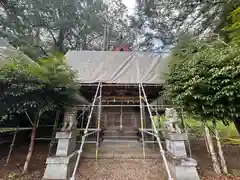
(51, 33)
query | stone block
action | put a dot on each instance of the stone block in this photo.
(67, 134)
(176, 148)
(60, 168)
(185, 170)
(66, 143)
(175, 136)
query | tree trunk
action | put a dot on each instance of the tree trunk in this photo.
(205, 138)
(216, 166)
(54, 132)
(220, 152)
(31, 147)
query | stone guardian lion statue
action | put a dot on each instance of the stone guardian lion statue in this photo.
(70, 121)
(172, 120)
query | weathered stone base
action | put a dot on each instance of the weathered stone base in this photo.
(66, 142)
(60, 168)
(185, 170)
(175, 136)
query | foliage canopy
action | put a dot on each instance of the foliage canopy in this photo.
(204, 74)
(205, 78)
(36, 87)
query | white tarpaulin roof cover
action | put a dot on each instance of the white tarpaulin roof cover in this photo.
(118, 67)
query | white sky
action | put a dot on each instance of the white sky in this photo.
(130, 4)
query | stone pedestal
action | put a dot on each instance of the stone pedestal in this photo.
(181, 166)
(66, 142)
(175, 144)
(61, 166)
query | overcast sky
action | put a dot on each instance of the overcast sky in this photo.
(130, 4)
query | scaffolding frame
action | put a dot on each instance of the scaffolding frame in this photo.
(156, 132)
(86, 134)
(143, 103)
(99, 119)
(141, 119)
(129, 105)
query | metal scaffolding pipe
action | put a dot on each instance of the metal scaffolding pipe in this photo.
(83, 111)
(82, 129)
(160, 129)
(85, 132)
(121, 115)
(141, 119)
(157, 136)
(99, 119)
(88, 134)
(152, 134)
(128, 105)
(119, 85)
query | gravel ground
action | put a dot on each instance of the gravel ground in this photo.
(132, 169)
(115, 169)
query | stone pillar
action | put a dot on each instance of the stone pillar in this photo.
(61, 166)
(181, 166)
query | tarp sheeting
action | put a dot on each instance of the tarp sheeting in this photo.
(118, 67)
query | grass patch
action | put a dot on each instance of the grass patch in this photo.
(195, 126)
(228, 133)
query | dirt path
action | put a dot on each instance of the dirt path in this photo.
(128, 169)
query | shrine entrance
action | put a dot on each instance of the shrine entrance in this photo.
(114, 118)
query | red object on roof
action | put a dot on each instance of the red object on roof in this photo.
(123, 47)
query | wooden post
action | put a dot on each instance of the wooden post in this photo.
(12, 145)
(31, 146)
(186, 132)
(205, 138)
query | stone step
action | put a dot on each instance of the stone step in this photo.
(120, 137)
(119, 141)
(111, 155)
(112, 149)
(121, 146)
(117, 133)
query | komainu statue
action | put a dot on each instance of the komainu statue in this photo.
(172, 120)
(70, 121)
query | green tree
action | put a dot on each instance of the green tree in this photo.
(204, 74)
(160, 23)
(204, 78)
(40, 28)
(233, 28)
(36, 88)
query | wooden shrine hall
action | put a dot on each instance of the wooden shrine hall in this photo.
(117, 76)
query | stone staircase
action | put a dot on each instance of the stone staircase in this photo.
(118, 144)
(117, 135)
